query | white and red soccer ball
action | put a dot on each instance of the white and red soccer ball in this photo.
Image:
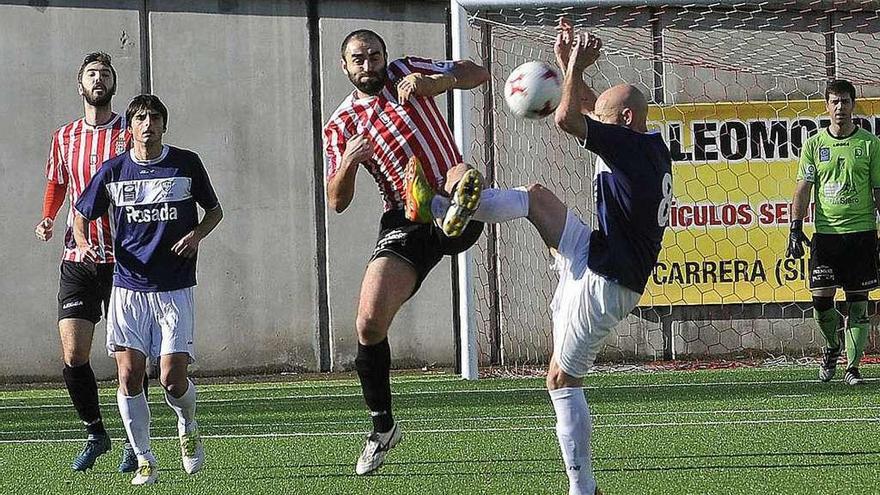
(532, 90)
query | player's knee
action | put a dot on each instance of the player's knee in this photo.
(541, 198)
(537, 191)
(453, 175)
(371, 329)
(174, 381)
(75, 357)
(823, 303)
(556, 379)
(175, 389)
(130, 383)
(857, 307)
(852, 297)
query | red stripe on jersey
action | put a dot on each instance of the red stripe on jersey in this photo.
(77, 152)
(398, 132)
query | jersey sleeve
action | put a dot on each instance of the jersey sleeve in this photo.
(428, 66)
(334, 147)
(620, 148)
(56, 172)
(807, 163)
(202, 189)
(94, 201)
(874, 151)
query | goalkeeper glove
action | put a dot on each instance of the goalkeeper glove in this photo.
(796, 240)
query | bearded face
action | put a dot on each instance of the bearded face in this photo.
(369, 82)
(99, 95)
(97, 84)
(365, 65)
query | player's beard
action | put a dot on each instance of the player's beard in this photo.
(99, 101)
(370, 85)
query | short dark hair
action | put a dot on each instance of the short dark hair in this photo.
(146, 102)
(363, 35)
(839, 87)
(96, 57)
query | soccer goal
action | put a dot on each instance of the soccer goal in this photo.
(736, 88)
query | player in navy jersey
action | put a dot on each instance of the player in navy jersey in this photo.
(154, 190)
(602, 272)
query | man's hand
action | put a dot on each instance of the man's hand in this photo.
(43, 230)
(562, 47)
(586, 51)
(796, 240)
(423, 85)
(358, 149)
(87, 253)
(188, 246)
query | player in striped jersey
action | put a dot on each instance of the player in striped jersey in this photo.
(78, 149)
(392, 127)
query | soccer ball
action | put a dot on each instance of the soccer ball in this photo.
(532, 90)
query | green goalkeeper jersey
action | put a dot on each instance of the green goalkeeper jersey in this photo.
(844, 172)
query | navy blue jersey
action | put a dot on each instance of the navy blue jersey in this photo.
(633, 192)
(154, 206)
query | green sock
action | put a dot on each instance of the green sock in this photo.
(857, 328)
(829, 321)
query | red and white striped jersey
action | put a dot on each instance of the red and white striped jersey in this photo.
(78, 150)
(398, 132)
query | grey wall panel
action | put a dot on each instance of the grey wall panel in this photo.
(422, 331)
(236, 84)
(42, 51)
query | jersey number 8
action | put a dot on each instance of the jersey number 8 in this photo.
(666, 202)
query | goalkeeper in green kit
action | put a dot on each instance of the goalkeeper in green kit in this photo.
(840, 166)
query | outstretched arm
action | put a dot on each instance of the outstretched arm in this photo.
(562, 50)
(464, 74)
(585, 52)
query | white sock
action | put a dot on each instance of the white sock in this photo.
(439, 205)
(136, 417)
(573, 428)
(502, 205)
(185, 407)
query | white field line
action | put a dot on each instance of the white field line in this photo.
(596, 417)
(483, 430)
(447, 392)
(262, 386)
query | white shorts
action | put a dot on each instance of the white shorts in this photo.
(154, 323)
(586, 306)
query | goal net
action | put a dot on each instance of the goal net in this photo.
(735, 89)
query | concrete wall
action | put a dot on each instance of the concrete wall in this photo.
(42, 51)
(236, 77)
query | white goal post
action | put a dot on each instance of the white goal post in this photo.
(735, 88)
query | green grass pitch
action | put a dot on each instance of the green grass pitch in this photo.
(743, 431)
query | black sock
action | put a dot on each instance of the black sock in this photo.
(373, 365)
(83, 390)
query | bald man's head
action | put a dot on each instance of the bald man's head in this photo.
(623, 105)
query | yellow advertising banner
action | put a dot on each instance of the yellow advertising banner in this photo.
(734, 168)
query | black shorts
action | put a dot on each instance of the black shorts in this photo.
(421, 245)
(84, 290)
(844, 260)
